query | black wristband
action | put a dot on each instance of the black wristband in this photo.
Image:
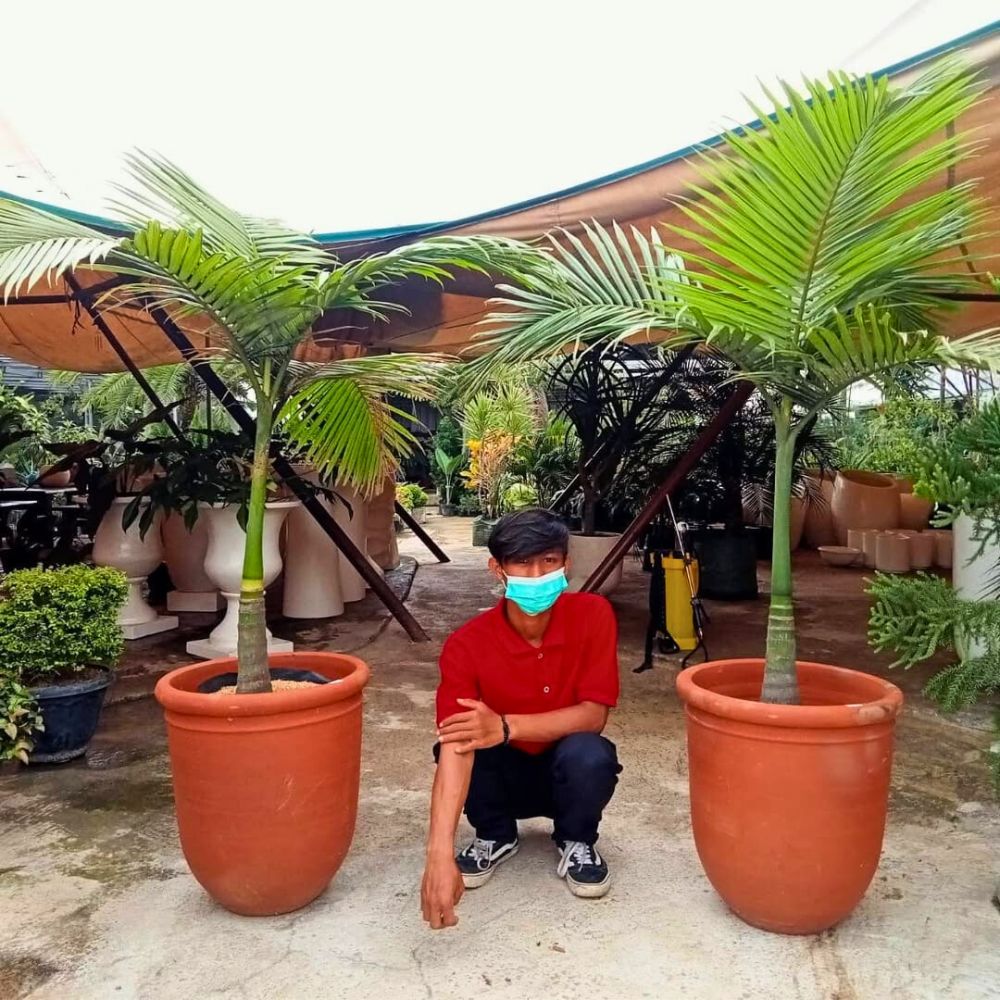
(506, 730)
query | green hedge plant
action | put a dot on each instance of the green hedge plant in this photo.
(54, 622)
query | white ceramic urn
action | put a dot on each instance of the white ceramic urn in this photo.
(224, 566)
(184, 553)
(586, 553)
(136, 556)
(312, 564)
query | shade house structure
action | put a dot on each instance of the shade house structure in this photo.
(60, 326)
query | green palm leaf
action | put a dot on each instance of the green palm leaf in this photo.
(340, 418)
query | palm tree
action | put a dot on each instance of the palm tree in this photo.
(822, 247)
(262, 287)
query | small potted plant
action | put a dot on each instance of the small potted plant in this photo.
(448, 467)
(59, 639)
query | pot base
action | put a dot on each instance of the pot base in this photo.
(161, 623)
(204, 649)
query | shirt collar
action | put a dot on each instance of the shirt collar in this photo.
(554, 635)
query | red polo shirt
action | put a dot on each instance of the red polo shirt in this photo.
(488, 661)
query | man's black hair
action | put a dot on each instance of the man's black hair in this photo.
(527, 533)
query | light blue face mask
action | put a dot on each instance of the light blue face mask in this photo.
(536, 594)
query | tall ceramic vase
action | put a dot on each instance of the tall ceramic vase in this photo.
(312, 564)
(350, 514)
(819, 528)
(136, 556)
(184, 553)
(586, 553)
(864, 500)
(224, 566)
(974, 571)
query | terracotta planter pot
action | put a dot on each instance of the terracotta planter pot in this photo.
(914, 512)
(586, 552)
(922, 550)
(892, 552)
(819, 529)
(797, 523)
(864, 500)
(266, 786)
(788, 802)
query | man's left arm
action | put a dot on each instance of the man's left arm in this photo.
(480, 727)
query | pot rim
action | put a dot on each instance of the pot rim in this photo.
(50, 691)
(694, 692)
(286, 504)
(597, 534)
(872, 480)
(173, 690)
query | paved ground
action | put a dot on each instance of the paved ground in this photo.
(96, 901)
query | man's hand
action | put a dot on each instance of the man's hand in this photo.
(477, 729)
(440, 891)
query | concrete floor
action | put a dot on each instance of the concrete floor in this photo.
(97, 903)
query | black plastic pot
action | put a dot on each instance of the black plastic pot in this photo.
(727, 564)
(70, 713)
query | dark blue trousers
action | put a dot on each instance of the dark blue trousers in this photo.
(571, 783)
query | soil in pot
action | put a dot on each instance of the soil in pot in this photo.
(788, 802)
(71, 709)
(266, 785)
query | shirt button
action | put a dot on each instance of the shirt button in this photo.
(545, 689)
(540, 655)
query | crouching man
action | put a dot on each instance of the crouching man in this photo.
(524, 696)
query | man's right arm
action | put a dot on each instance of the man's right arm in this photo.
(442, 884)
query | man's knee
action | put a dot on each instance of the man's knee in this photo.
(586, 754)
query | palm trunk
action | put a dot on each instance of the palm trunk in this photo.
(780, 678)
(253, 674)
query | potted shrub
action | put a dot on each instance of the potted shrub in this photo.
(816, 264)
(265, 779)
(494, 424)
(59, 639)
(448, 467)
(413, 497)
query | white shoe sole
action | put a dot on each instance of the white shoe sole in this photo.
(589, 890)
(475, 881)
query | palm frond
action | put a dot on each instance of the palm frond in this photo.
(37, 246)
(163, 192)
(340, 418)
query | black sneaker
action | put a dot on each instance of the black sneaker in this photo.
(585, 871)
(480, 859)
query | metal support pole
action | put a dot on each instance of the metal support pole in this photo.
(85, 300)
(287, 474)
(674, 478)
(418, 529)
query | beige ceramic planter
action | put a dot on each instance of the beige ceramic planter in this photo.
(914, 511)
(864, 500)
(819, 529)
(892, 553)
(586, 552)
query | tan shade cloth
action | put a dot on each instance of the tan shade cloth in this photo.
(61, 335)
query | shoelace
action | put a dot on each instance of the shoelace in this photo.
(578, 852)
(481, 851)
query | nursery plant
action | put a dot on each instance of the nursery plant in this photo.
(817, 248)
(262, 287)
(55, 624)
(817, 263)
(448, 468)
